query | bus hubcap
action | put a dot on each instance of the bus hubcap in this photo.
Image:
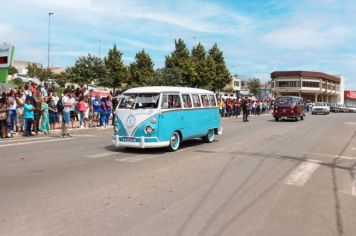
(175, 140)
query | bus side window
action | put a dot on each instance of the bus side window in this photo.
(212, 101)
(205, 101)
(187, 102)
(171, 101)
(196, 100)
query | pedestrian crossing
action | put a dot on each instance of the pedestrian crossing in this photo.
(303, 173)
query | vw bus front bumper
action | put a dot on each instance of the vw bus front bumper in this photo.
(138, 142)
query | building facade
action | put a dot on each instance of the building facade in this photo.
(350, 98)
(232, 89)
(312, 86)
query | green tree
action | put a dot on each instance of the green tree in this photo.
(61, 78)
(13, 70)
(86, 69)
(168, 77)
(141, 70)
(44, 74)
(254, 85)
(222, 75)
(33, 70)
(116, 74)
(179, 65)
(200, 63)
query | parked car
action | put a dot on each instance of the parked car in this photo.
(343, 109)
(289, 107)
(320, 108)
(24, 78)
(352, 109)
(334, 108)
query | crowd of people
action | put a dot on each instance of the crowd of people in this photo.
(234, 107)
(34, 108)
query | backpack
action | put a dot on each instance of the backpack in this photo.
(60, 106)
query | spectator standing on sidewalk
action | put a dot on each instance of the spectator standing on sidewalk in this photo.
(108, 107)
(53, 113)
(66, 113)
(4, 112)
(29, 116)
(96, 109)
(20, 100)
(72, 109)
(81, 109)
(37, 102)
(45, 116)
(11, 101)
(102, 112)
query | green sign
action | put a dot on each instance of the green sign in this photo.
(6, 59)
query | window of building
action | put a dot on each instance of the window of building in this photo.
(288, 84)
(236, 83)
(324, 85)
(310, 84)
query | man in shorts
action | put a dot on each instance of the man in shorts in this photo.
(66, 113)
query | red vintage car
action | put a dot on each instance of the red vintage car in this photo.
(289, 107)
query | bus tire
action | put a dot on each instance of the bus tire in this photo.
(174, 142)
(210, 136)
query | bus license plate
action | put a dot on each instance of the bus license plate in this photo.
(128, 139)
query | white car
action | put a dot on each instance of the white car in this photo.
(24, 78)
(320, 108)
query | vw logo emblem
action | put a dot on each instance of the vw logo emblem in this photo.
(130, 121)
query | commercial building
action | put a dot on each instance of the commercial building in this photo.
(312, 86)
(232, 89)
(350, 98)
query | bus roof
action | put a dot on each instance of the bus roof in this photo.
(162, 89)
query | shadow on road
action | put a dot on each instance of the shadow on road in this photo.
(184, 145)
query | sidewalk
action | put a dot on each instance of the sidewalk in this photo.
(57, 131)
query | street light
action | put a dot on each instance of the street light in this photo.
(49, 36)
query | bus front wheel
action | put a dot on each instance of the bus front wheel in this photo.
(210, 136)
(174, 142)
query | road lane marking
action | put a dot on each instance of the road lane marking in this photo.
(136, 158)
(22, 139)
(35, 142)
(353, 189)
(83, 135)
(302, 173)
(100, 155)
(333, 156)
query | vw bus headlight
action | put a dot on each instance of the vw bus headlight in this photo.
(116, 129)
(149, 130)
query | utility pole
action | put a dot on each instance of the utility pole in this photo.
(49, 39)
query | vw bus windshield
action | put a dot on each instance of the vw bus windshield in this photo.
(139, 101)
(286, 100)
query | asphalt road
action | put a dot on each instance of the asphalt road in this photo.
(259, 178)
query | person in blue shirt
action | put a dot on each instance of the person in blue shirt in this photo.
(96, 109)
(29, 117)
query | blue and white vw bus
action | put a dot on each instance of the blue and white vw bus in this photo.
(150, 117)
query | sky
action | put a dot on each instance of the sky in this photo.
(256, 36)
